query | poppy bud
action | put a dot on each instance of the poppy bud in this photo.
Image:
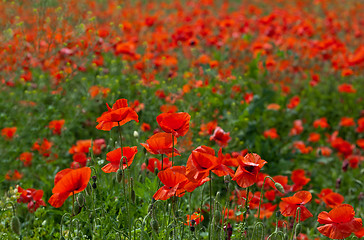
(279, 187)
(94, 186)
(94, 178)
(119, 175)
(345, 165)
(132, 195)
(226, 179)
(154, 224)
(298, 228)
(135, 134)
(15, 225)
(338, 182)
(192, 228)
(81, 200)
(77, 209)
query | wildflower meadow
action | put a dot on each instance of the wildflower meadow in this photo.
(203, 120)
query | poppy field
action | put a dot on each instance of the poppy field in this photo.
(187, 119)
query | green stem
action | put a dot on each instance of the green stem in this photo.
(261, 194)
(211, 210)
(172, 148)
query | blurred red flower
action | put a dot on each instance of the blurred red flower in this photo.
(8, 133)
(194, 219)
(293, 102)
(56, 126)
(26, 158)
(346, 88)
(31, 196)
(330, 198)
(221, 137)
(271, 133)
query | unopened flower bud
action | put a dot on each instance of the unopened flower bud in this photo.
(80, 199)
(136, 134)
(154, 224)
(192, 228)
(119, 175)
(94, 178)
(338, 182)
(279, 187)
(298, 228)
(15, 225)
(94, 186)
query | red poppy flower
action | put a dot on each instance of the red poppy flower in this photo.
(26, 158)
(360, 143)
(314, 137)
(194, 219)
(249, 167)
(299, 179)
(68, 182)
(360, 127)
(145, 127)
(161, 143)
(114, 157)
(155, 163)
(297, 128)
(84, 146)
(208, 128)
(347, 122)
(119, 114)
(13, 175)
(56, 126)
(175, 123)
(266, 210)
(203, 160)
(174, 180)
(271, 133)
(293, 102)
(221, 137)
(289, 205)
(8, 133)
(322, 122)
(44, 148)
(31, 196)
(330, 198)
(346, 88)
(339, 223)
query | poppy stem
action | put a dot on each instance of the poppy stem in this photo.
(296, 221)
(261, 195)
(172, 148)
(73, 203)
(211, 214)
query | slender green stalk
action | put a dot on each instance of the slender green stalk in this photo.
(211, 209)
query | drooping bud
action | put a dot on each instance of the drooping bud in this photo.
(94, 178)
(154, 224)
(80, 199)
(279, 187)
(119, 175)
(15, 225)
(94, 186)
(298, 229)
